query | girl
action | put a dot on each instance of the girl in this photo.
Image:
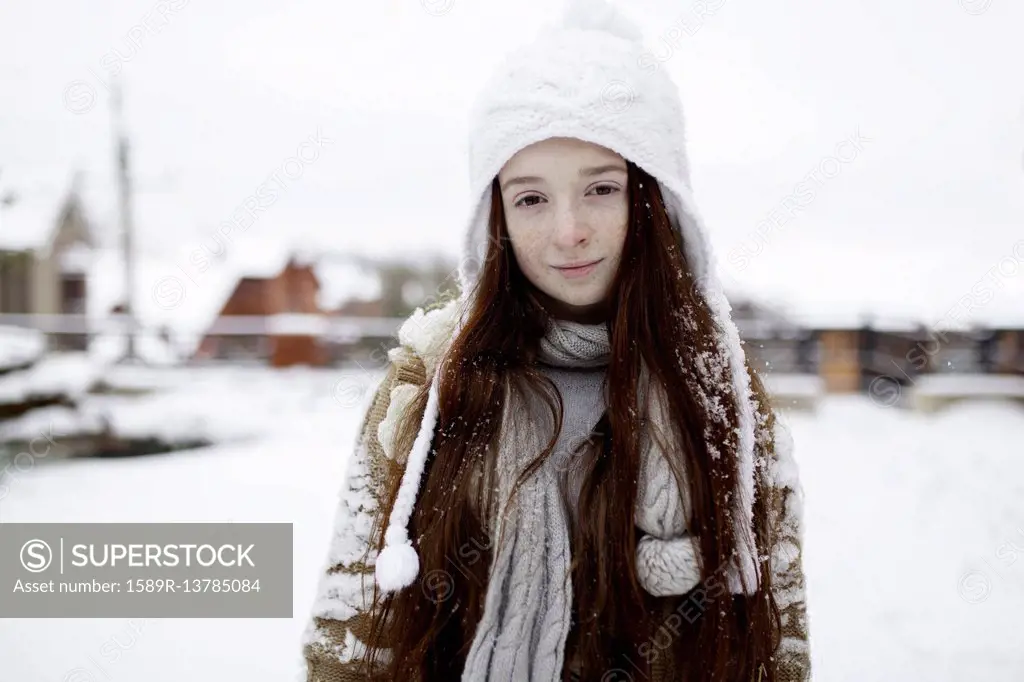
(570, 472)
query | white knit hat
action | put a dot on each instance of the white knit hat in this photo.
(586, 79)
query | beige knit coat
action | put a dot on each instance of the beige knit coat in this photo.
(334, 643)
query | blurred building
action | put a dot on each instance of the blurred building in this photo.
(892, 360)
(407, 285)
(332, 305)
(292, 290)
(45, 250)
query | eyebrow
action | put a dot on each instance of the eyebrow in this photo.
(587, 172)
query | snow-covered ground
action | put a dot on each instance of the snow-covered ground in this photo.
(911, 536)
(19, 346)
(912, 524)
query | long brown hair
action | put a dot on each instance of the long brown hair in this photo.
(659, 318)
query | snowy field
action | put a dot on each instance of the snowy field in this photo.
(914, 524)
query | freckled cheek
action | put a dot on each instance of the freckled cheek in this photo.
(529, 242)
(611, 232)
(608, 221)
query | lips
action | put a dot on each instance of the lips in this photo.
(575, 266)
(577, 270)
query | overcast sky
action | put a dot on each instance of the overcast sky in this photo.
(220, 94)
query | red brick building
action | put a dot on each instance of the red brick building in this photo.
(293, 290)
(303, 286)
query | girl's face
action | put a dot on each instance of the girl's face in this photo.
(566, 209)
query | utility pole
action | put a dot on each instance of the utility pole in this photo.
(124, 187)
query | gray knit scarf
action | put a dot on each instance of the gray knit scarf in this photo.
(527, 610)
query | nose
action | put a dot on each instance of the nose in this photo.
(570, 229)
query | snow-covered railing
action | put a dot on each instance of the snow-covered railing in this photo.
(936, 390)
(287, 324)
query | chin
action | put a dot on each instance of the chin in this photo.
(579, 299)
(582, 302)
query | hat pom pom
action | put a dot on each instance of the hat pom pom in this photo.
(599, 15)
(397, 567)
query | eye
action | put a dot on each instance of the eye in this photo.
(527, 201)
(604, 190)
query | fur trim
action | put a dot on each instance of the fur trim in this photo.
(428, 333)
